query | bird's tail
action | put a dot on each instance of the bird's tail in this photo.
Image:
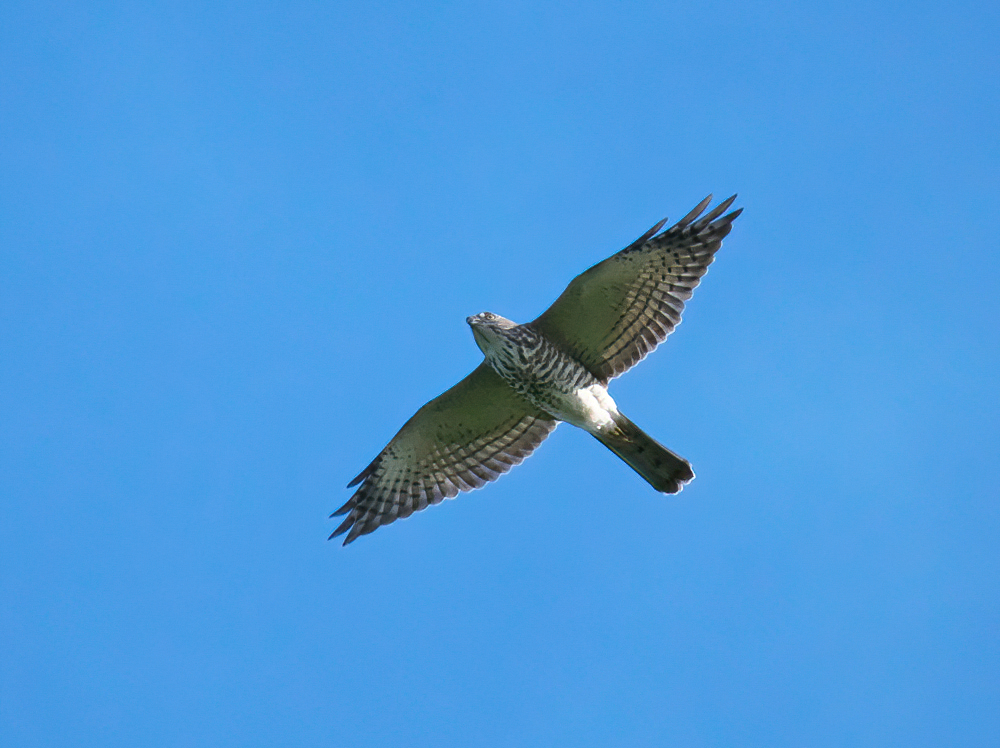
(661, 468)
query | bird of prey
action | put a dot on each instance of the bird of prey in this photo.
(555, 368)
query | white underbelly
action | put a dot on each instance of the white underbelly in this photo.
(590, 408)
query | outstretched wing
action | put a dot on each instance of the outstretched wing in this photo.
(472, 434)
(612, 315)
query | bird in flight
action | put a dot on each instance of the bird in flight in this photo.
(555, 368)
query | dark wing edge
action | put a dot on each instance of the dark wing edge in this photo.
(462, 440)
(615, 313)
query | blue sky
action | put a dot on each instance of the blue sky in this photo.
(238, 243)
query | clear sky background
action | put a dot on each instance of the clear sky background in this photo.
(238, 243)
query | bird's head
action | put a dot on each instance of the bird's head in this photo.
(488, 329)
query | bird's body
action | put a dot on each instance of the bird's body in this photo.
(555, 368)
(541, 373)
(557, 384)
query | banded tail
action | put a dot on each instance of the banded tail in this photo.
(661, 468)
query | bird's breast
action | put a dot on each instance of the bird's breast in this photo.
(557, 384)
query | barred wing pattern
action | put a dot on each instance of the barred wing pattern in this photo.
(612, 315)
(461, 440)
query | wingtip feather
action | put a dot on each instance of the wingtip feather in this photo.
(697, 211)
(343, 527)
(367, 471)
(647, 236)
(360, 529)
(717, 211)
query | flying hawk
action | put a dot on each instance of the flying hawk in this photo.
(555, 368)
